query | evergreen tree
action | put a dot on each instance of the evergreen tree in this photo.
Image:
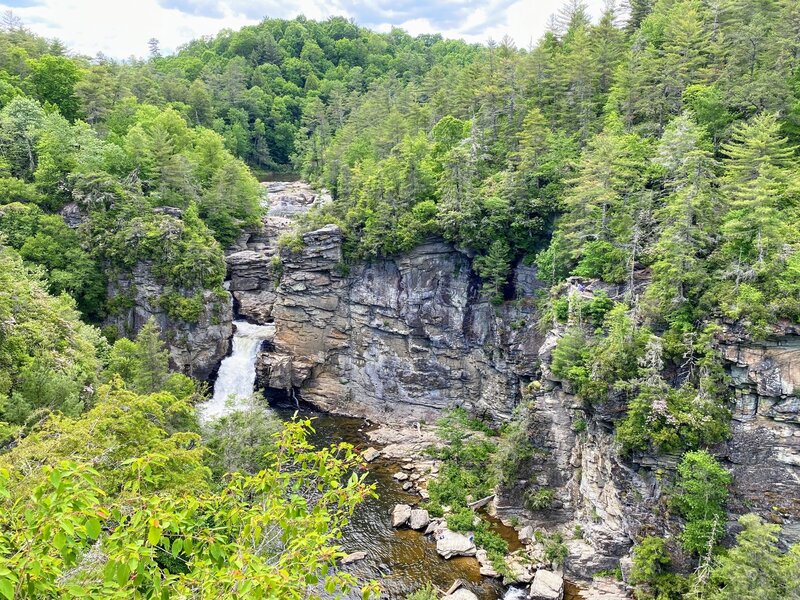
(761, 189)
(688, 218)
(151, 367)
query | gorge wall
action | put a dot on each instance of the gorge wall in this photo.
(400, 339)
(195, 349)
(396, 339)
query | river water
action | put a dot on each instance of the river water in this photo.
(401, 560)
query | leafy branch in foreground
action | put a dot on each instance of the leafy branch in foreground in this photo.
(268, 535)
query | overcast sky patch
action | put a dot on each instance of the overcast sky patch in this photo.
(122, 28)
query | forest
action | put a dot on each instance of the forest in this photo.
(655, 148)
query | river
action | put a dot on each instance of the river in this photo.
(402, 560)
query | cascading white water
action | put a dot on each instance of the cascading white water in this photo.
(237, 372)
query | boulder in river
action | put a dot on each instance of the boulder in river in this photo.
(450, 544)
(400, 515)
(371, 454)
(547, 586)
(400, 476)
(435, 526)
(354, 557)
(419, 519)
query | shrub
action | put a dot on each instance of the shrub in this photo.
(555, 550)
(540, 499)
(428, 592)
(650, 572)
(291, 241)
(700, 495)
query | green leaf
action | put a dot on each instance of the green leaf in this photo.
(153, 535)
(59, 540)
(177, 546)
(7, 588)
(93, 528)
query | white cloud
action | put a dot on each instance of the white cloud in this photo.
(121, 28)
(525, 21)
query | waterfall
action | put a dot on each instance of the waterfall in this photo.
(237, 372)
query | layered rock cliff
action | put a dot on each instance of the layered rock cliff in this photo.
(196, 348)
(400, 339)
(396, 339)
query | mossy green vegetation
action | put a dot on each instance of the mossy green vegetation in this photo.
(116, 493)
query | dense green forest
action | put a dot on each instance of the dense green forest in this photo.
(656, 149)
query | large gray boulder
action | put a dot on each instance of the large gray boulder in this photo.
(546, 586)
(400, 515)
(450, 544)
(419, 519)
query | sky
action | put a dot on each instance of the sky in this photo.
(122, 28)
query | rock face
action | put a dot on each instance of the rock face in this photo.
(393, 340)
(195, 349)
(764, 451)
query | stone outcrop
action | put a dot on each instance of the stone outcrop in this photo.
(392, 340)
(195, 349)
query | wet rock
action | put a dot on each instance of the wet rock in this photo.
(546, 586)
(400, 515)
(450, 544)
(371, 454)
(419, 519)
(354, 557)
(526, 534)
(400, 476)
(487, 568)
(407, 486)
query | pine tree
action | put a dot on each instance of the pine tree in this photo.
(599, 213)
(687, 218)
(151, 368)
(758, 183)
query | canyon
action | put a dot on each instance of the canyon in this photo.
(400, 339)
